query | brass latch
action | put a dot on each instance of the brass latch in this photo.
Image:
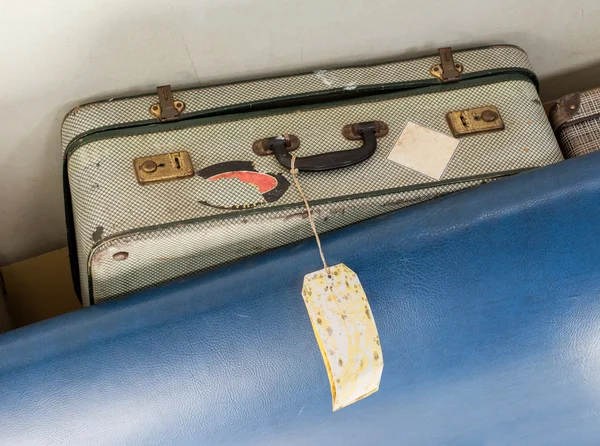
(475, 120)
(448, 70)
(167, 108)
(165, 167)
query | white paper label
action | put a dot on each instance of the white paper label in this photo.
(424, 150)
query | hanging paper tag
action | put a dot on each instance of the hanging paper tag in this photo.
(346, 333)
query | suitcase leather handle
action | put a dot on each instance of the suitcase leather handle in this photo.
(367, 131)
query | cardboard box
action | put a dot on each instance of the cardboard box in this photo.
(39, 288)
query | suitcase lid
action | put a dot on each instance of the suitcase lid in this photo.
(293, 90)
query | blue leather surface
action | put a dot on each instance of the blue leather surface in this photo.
(487, 307)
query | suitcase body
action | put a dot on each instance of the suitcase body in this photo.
(576, 120)
(229, 192)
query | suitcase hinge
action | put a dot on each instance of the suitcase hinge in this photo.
(167, 109)
(564, 109)
(448, 70)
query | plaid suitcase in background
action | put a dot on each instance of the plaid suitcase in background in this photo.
(576, 121)
(161, 186)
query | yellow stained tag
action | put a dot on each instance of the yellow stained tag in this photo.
(346, 333)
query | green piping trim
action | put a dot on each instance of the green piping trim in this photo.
(326, 95)
(265, 210)
(157, 127)
(246, 107)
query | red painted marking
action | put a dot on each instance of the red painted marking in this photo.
(264, 182)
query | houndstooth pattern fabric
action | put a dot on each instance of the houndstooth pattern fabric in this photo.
(107, 200)
(97, 115)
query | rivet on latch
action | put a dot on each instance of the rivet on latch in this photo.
(489, 116)
(149, 166)
(475, 121)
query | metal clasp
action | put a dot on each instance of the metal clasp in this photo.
(164, 167)
(475, 120)
(448, 70)
(167, 108)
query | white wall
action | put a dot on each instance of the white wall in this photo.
(57, 54)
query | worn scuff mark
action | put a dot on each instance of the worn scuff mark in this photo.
(107, 252)
(350, 86)
(292, 216)
(317, 213)
(302, 215)
(97, 234)
(338, 210)
(322, 76)
(401, 201)
(99, 256)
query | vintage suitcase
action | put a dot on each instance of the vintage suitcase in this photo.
(576, 121)
(161, 186)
